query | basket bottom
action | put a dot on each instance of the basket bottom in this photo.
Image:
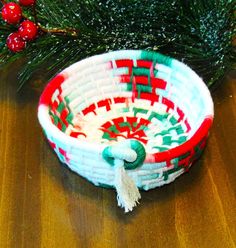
(154, 125)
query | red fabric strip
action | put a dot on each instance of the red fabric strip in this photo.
(181, 114)
(90, 109)
(144, 63)
(187, 146)
(158, 83)
(63, 116)
(52, 144)
(107, 125)
(55, 105)
(119, 99)
(54, 84)
(141, 80)
(149, 96)
(168, 103)
(187, 125)
(59, 125)
(76, 134)
(125, 79)
(105, 103)
(124, 63)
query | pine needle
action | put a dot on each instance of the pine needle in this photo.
(198, 32)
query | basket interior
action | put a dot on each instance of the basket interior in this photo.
(147, 96)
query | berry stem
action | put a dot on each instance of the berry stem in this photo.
(68, 31)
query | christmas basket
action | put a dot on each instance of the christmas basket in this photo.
(127, 119)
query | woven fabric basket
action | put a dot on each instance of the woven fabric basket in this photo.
(127, 119)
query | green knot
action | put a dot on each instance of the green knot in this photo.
(132, 152)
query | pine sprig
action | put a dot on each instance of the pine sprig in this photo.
(209, 48)
(54, 52)
(198, 32)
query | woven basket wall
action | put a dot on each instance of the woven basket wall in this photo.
(150, 111)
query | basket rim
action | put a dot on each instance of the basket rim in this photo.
(68, 141)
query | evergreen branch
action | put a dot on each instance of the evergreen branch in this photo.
(198, 32)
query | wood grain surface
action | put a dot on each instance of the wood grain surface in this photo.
(43, 204)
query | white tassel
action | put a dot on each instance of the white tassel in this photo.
(127, 192)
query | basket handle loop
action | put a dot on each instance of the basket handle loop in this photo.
(131, 152)
(125, 155)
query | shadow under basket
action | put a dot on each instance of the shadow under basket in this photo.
(127, 119)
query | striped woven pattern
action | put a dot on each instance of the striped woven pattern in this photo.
(142, 107)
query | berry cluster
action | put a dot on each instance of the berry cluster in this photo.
(27, 30)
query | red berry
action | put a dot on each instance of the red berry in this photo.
(27, 30)
(15, 43)
(11, 13)
(27, 2)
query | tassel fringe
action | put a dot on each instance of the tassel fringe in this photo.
(127, 192)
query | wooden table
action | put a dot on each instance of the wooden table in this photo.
(44, 204)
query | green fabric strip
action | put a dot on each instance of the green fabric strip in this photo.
(159, 117)
(140, 88)
(153, 56)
